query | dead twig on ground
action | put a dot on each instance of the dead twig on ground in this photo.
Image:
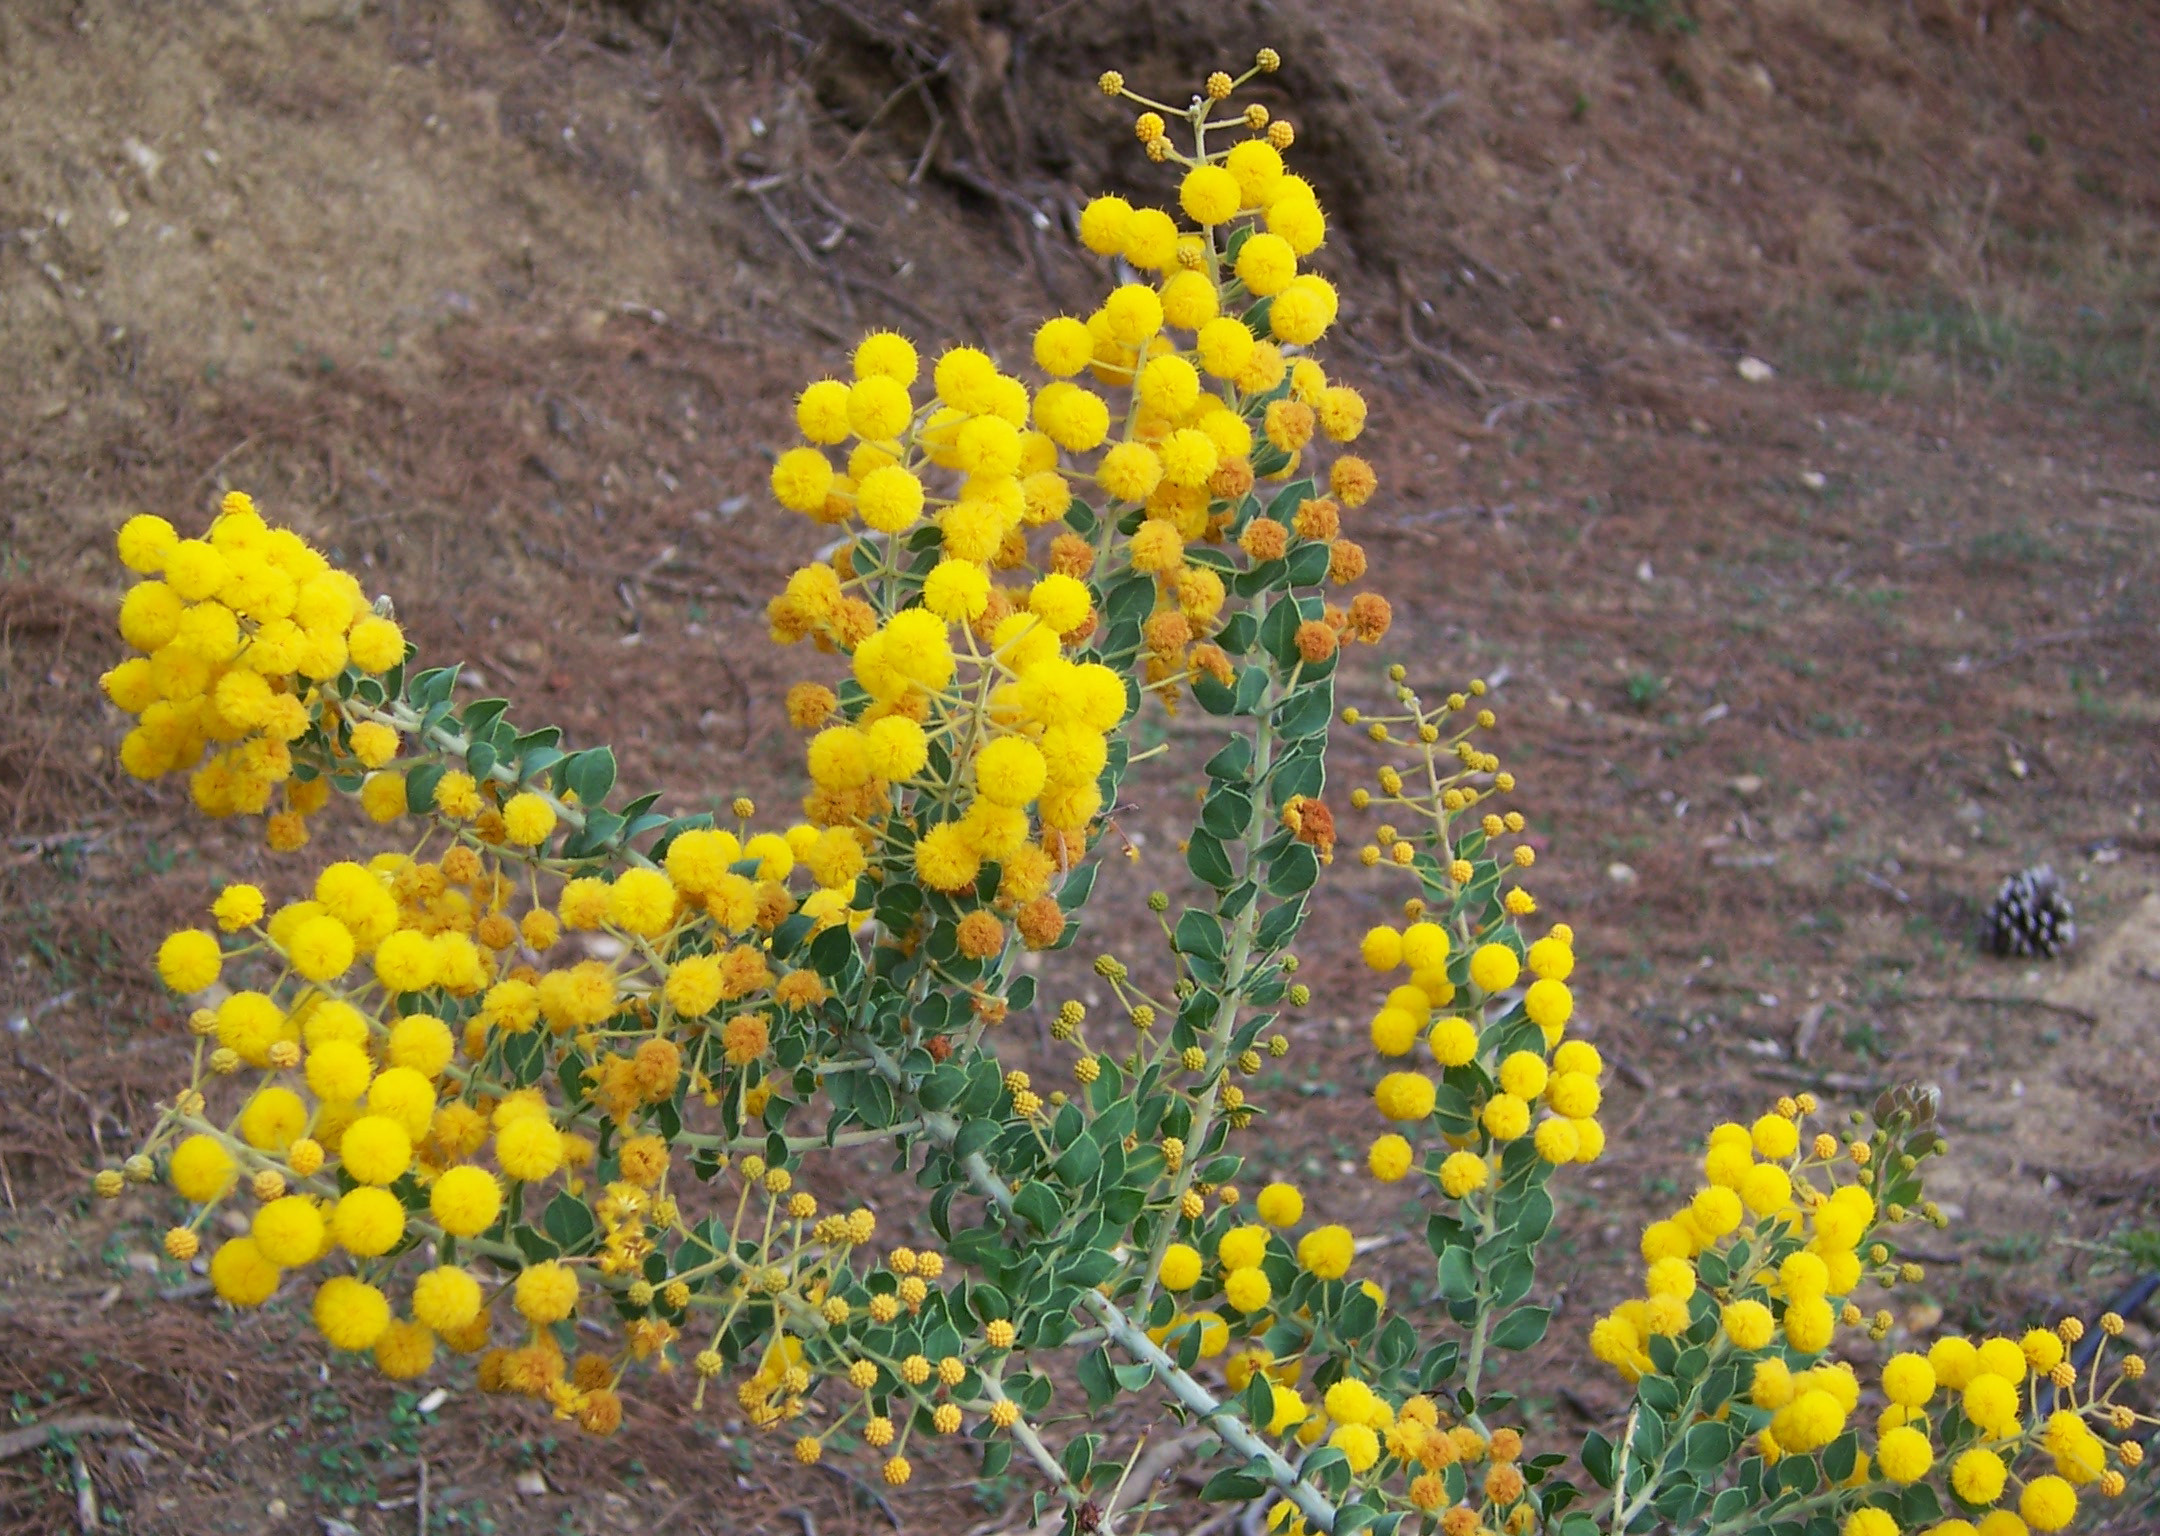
(1992, 1000)
(16, 1441)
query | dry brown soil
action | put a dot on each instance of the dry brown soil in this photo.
(505, 302)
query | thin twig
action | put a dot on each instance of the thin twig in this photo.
(36, 1436)
(1988, 1000)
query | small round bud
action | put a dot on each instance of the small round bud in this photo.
(744, 807)
(1218, 86)
(1110, 83)
(108, 1183)
(269, 1185)
(1268, 60)
(181, 1244)
(1158, 901)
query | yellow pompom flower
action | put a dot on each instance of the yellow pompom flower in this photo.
(405, 1096)
(376, 644)
(1904, 1454)
(367, 1221)
(237, 906)
(642, 901)
(144, 541)
(1809, 1324)
(1280, 1205)
(1225, 346)
(1389, 1158)
(821, 412)
(1748, 1324)
(883, 354)
(201, 1169)
(375, 1150)
(1242, 1247)
(465, 1200)
(801, 479)
(1063, 346)
(1978, 1476)
(1908, 1380)
(1523, 1074)
(351, 1313)
(1010, 771)
(288, 1231)
(546, 1293)
(1493, 968)
(1463, 1173)
(242, 1275)
(1210, 194)
(1549, 1004)
(1180, 1267)
(528, 819)
(1258, 170)
(189, 961)
(528, 1148)
(1991, 1403)
(407, 961)
(1405, 1096)
(1505, 1117)
(446, 1298)
(273, 1120)
(1129, 472)
(1454, 1043)
(1560, 1141)
(1326, 1252)
(1266, 264)
(2048, 1503)
(1247, 1289)
(1382, 948)
(957, 590)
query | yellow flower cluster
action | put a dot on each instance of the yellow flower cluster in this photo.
(239, 630)
(1791, 1241)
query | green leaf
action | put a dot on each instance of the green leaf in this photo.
(568, 1221)
(420, 787)
(1130, 599)
(1209, 862)
(1227, 812)
(1199, 933)
(1308, 565)
(1308, 712)
(1097, 1378)
(1038, 1205)
(1232, 762)
(1708, 1446)
(1458, 1277)
(589, 774)
(1597, 1458)
(1840, 1456)
(1521, 1328)
(1079, 1162)
(1294, 871)
(1236, 1484)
